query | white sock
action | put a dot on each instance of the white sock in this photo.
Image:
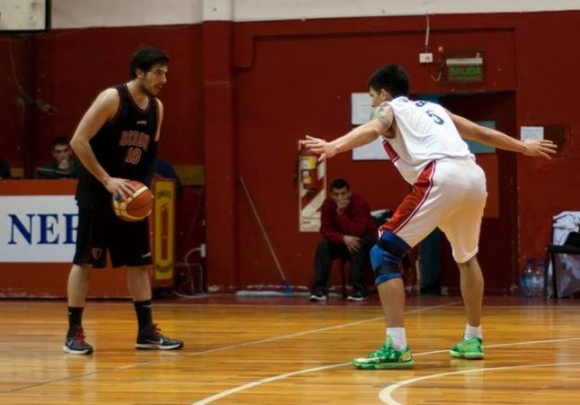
(398, 338)
(472, 332)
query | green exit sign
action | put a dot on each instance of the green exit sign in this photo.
(464, 69)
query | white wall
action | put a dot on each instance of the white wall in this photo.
(116, 13)
(122, 13)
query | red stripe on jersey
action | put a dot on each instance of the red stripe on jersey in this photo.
(413, 201)
(390, 151)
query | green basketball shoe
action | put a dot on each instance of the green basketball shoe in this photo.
(385, 358)
(471, 349)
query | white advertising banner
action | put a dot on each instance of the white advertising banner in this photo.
(38, 228)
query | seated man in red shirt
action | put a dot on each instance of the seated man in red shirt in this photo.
(348, 232)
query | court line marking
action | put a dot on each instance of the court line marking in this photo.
(194, 354)
(256, 383)
(243, 387)
(308, 332)
(385, 393)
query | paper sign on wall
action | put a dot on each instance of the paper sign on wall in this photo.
(532, 133)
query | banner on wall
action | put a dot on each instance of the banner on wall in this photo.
(43, 229)
(164, 231)
(38, 228)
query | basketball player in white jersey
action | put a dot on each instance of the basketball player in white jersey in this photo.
(424, 142)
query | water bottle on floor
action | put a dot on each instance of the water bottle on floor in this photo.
(539, 279)
(527, 279)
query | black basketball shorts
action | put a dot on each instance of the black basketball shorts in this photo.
(100, 232)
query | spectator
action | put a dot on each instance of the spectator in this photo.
(63, 165)
(348, 232)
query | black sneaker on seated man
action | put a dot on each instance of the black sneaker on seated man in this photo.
(357, 296)
(318, 295)
(150, 337)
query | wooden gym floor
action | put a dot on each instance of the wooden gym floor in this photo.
(286, 350)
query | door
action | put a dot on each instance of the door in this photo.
(498, 243)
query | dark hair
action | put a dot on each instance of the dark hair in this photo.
(145, 57)
(391, 78)
(59, 140)
(339, 183)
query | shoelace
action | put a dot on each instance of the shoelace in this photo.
(380, 352)
(385, 352)
(467, 344)
(78, 335)
(155, 331)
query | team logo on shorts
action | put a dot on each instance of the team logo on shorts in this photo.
(96, 253)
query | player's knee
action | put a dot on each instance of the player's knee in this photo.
(386, 273)
(386, 256)
(468, 264)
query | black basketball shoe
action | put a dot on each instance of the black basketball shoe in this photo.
(150, 337)
(75, 342)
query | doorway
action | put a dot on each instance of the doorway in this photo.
(498, 242)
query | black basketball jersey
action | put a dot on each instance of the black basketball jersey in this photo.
(125, 147)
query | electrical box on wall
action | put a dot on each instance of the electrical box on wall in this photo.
(426, 57)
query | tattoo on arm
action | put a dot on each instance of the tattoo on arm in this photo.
(384, 115)
(386, 121)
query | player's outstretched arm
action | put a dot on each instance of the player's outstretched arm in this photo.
(359, 136)
(535, 148)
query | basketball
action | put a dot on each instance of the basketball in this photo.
(137, 207)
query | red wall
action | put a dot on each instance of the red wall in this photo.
(295, 78)
(12, 74)
(547, 94)
(241, 94)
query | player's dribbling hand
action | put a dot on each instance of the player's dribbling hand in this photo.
(540, 148)
(119, 187)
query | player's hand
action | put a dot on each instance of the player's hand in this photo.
(319, 147)
(540, 148)
(120, 188)
(352, 243)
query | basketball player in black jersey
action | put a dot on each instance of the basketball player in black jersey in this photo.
(116, 141)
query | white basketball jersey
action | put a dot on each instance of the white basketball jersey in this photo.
(425, 132)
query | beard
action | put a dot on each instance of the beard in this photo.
(150, 92)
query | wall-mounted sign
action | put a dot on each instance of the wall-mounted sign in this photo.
(464, 67)
(38, 228)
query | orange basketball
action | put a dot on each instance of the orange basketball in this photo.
(137, 207)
